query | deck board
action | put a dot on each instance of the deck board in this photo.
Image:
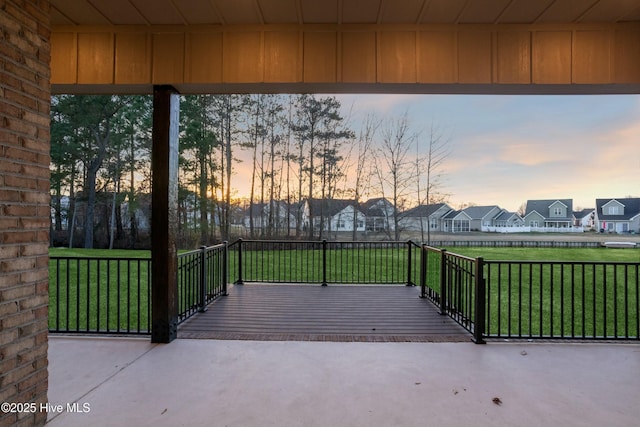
(316, 313)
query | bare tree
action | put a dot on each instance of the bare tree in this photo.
(360, 156)
(393, 167)
(436, 149)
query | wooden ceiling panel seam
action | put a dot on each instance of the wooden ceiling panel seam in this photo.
(462, 10)
(177, 11)
(256, 5)
(90, 2)
(586, 11)
(544, 11)
(504, 10)
(423, 10)
(216, 9)
(133, 5)
(63, 15)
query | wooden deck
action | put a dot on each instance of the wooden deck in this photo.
(316, 313)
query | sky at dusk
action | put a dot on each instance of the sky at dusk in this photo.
(506, 149)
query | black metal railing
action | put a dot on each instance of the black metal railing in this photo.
(568, 300)
(490, 299)
(202, 277)
(456, 284)
(100, 295)
(517, 243)
(534, 299)
(325, 262)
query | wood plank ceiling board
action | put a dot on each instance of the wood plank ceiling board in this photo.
(319, 12)
(239, 11)
(186, 12)
(565, 11)
(58, 18)
(79, 12)
(121, 12)
(613, 11)
(395, 12)
(279, 11)
(198, 11)
(487, 11)
(159, 12)
(442, 11)
(360, 11)
(524, 11)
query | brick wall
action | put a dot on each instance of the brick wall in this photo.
(24, 205)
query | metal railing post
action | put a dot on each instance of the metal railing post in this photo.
(324, 262)
(225, 268)
(479, 311)
(443, 281)
(409, 264)
(423, 271)
(239, 281)
(203, 280)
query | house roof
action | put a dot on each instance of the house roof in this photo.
(505, 215)
(371, 207)
(583, 213)
(424, 211)
(455, 214)
(631, 209)
(479, 212)
(329, 207)
(542, 207)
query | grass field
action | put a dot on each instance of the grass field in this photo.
(99, 290)
(524, 299)
(555, 292)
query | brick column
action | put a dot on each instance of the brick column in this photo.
(24, 206)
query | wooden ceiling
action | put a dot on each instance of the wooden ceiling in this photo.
(232, 12)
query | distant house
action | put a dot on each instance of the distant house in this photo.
(274, 215)
(425, 217)
(379, 213)
(618, 215)
(481, 216)
(552, 213)
(336, 215)
(457, 222)
(586, 218)
(508, 219)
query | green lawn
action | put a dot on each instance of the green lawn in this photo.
(99, 290)
(547, 295)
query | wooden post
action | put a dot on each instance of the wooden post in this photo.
(164, 204)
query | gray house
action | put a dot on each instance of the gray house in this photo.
(425, 217)
(482, 216)
(457, 222)
(551, 213)
(618, 215)
(508, 219)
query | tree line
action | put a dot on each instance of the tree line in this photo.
(291, 147)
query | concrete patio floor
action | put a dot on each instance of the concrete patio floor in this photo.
(131, 382)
